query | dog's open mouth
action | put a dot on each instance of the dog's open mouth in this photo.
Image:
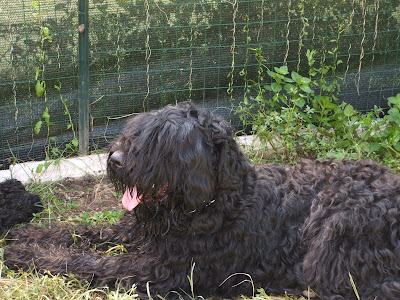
(131, 199)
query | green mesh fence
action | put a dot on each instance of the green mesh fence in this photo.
(147, 53)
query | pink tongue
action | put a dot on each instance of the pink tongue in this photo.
(130, 199)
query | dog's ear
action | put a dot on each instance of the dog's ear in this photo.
(199, 182)
(229, 158)
(216, 163)
(198, 187)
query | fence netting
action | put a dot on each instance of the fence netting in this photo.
(145, 54)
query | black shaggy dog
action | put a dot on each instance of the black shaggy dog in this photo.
(198, 204)
(16, 205)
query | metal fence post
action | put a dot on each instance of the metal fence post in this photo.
(83, 76)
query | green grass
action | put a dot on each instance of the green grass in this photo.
(31, 285)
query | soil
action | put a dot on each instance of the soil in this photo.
(72, 199)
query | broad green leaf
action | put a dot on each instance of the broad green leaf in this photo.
(276, 88)
(296, 77)
(40, 88)
(305, 80)
(282, 70)
(290, 88)
(338, 156)
(349, 110)
(289, 80)
(394, 100)
(393, 111)
(393, 115)
(46, 30)
(275, 76)
(310, 56)
(268, 87)
(46, 115)
(37, 127)
(75, 142)
(272, 74)
(328, 103)
(300, 102)
(39, 168)
(300, 79)
(374, 147)
(305, 88)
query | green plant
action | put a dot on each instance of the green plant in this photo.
(298, 115)
(106, 217)
(40, 86)
(384, 133)
(53, 207)
(52, 150)
(288, 105)
(290, 111)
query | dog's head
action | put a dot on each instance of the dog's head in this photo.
(178, 156)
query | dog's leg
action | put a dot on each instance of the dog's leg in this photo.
(81, 251)
(139, 269)
(81, 237)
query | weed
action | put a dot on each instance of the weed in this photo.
(293, 110)
(299, 115)
(51, 149)
(71, 204)
(98, 218)
(30, 285)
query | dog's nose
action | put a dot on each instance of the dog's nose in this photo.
(117, 158)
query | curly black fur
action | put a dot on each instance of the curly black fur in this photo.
(16, 205)
(204, 204)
